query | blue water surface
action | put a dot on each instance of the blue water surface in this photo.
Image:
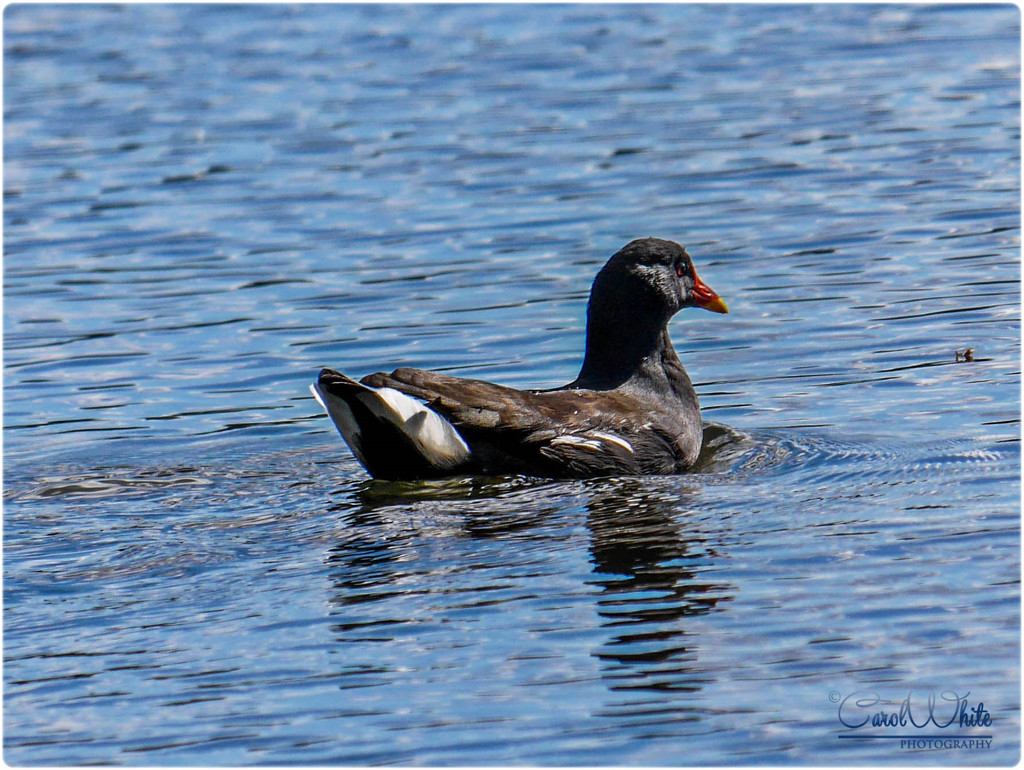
(204, 204)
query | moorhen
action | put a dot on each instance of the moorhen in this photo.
(631, 411)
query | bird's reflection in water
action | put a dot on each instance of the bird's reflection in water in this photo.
(637, 541)
(391, 521)
(420, 554)
(648, 564)
(413, 564)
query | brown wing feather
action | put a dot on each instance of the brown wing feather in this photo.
(468, 402)
(566, 430)
(480, 404)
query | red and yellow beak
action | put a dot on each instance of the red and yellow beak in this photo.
(704, 296)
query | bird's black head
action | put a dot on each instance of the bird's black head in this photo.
(654, 278)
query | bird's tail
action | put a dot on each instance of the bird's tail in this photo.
(393, 435)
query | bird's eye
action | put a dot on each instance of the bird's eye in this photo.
(680, 270)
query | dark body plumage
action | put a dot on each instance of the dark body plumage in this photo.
(631, 411)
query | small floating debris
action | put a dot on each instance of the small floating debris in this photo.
(620, 151)
(965, 356)
(217, 168)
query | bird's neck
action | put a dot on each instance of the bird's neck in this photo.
(619, 352)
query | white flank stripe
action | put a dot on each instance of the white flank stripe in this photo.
(590, 441)
(584, 443)
(613, 439)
